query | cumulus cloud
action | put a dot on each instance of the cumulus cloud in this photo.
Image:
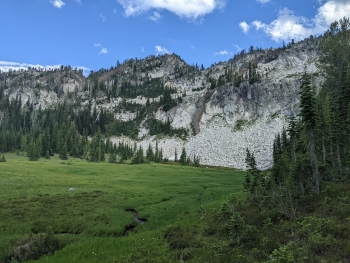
(155, 17)
(263, 1)
(57, 3)
(6, 66)
(161, 50)
(78, 1)
(103, 49)
(244, 26)
(183, 8)
(223, 53)
(142, 49)
(332, 11)
(258, 24)
(289, 26)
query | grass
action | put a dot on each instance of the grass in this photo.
(242, 123)
(84, 206)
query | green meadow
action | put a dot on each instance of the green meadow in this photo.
(88, 210)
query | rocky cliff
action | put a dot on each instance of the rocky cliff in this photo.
(233, 105)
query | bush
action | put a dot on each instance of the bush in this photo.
(33, 247)
(289, 253)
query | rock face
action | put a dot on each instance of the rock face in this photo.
(223, 120)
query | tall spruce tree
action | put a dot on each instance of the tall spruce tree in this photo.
(308, 114)
(183, 157)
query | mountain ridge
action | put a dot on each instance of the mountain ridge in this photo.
(226, 108)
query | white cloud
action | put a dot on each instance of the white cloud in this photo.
(114, 11)
(103, 18)
(183, 8)
(142, 49)
(103, 49)
(6, 66)
(161, 50)
(78, 1)
(57, 3)
(332, 11)
(223, 53)
(244, 26)
(155, 17)
(238, 48)
(258, 24)
(289, 26)
(263, 1)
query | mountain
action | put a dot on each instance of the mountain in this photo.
(216, 113)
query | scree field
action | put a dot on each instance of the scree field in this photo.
(88, 210)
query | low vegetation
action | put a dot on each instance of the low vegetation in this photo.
(82, 209)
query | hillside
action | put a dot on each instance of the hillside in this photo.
(215, 113)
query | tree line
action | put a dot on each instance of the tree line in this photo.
(315, 147)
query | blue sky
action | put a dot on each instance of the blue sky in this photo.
(95, 34)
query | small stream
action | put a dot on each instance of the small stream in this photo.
(137, 219)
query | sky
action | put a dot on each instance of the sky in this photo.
(91, 35)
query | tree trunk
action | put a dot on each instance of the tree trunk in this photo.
(323, 150)
(338, 154)
(314, 161)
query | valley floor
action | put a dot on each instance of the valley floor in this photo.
(78, 211)
(87, 210)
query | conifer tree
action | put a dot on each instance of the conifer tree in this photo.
(62, 143)
(175, 158)
(138, 158)
(149, 153)
(33, 152)
(24, 143)
(196, 161)
(183, 157)
(97, 151)
(112, 157)
(253, 175)
(308, 118)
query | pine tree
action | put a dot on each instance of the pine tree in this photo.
(196, 161)
(33, 151)
(55, 138)
(183, 157)
(62, 143)
(112, 157)
(175, 158)
(309, 118)
(149, 153)
(24, 143)
(97, 148)
(63, 151)
(138, 158)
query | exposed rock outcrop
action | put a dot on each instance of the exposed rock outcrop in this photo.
(223, 120)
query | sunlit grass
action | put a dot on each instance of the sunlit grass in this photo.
(85, 204)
